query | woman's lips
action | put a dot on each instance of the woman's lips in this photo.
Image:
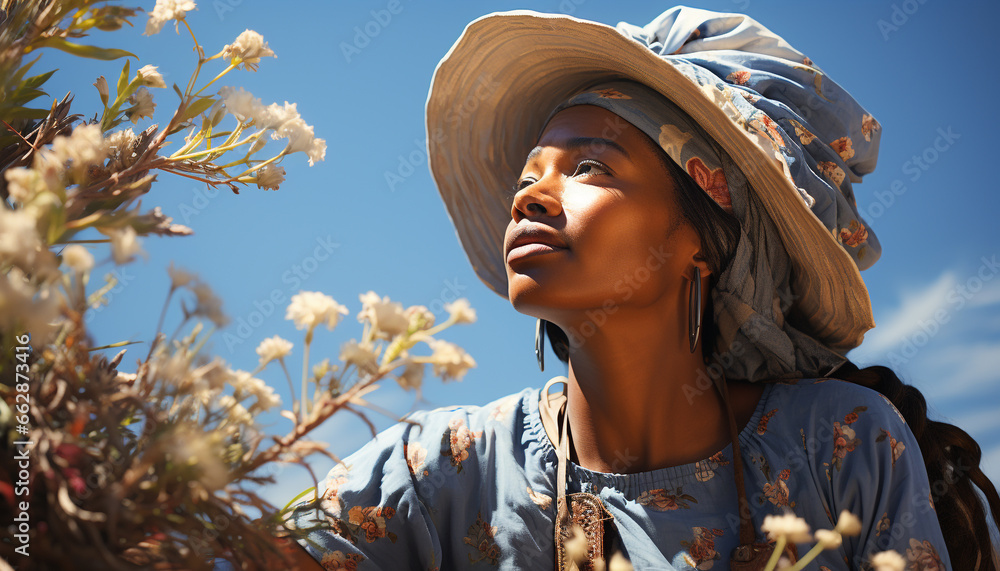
(532, 249)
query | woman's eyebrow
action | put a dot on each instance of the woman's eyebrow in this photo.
(579, 142)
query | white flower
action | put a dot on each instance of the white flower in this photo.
(387, 317)
(274, 116)
(248, 48)
(78, 258)
(120, 145)
(142, 105)
(209, 380)
(150, 77)
(284, 120)
(273, 348)
(247, 385)
(619, 563)
(576, 545)
(241, 103)
(270, 177)
(300, 138)
(309, 309)
(449, 360)
(124, 244)
(28, 307)
(21, 245)
(23, 184)
(412, 376)
(460, 311)
(174, 369)
(792, 527)
(361, 356)
(86, 146)
(208, 305)
(266, 399)
(164, 11)
(828, 539)
(848, 524)
(888, 561)
(234, 412)
(179, 277)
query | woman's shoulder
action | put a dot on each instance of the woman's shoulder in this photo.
(446, 435)
(505, 411)
(824, 397)
(435, 453)
(823, 418)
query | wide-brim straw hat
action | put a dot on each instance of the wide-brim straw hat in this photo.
(801, 146)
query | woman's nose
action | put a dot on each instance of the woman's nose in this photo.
(540, 197)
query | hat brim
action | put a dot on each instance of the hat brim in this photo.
(496, 85)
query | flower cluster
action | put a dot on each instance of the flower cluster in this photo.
(121, 454)
(248, 48)
(789, 528)
(576, 553)
(283, 121)
(166, 10)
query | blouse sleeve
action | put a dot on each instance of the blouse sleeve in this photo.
(368, 515)
(876, 471)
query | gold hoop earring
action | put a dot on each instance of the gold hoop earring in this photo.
(694, 310)
(540, 343)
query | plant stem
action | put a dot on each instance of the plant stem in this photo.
(261, 165)
(779, 548)
(809, 556)
(209, 151)
(216, 78)
(305, 370)
(439, 327)
(291, 386)
(163, 313)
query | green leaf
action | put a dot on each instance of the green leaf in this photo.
(24, 69)
(24, 113)
(122, 79)
(92, 52)
(118, 344)
(296, 498)
(197, 107)
(36, 81)
(22, 97)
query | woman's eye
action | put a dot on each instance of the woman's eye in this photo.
(587, 166)
(592, 164)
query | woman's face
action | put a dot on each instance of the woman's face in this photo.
(610, 202)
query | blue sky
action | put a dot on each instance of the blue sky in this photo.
(911, 64)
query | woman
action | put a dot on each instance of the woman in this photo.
(682, 223)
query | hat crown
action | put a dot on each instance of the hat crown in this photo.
(826, 138)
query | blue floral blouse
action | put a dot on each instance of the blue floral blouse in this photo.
(472, 487)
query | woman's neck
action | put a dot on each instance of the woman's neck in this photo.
(636, 405)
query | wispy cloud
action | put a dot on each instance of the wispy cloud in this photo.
(967, 366)
(905, 320)
(990, 295)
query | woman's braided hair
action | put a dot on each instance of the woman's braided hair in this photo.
(950, 455)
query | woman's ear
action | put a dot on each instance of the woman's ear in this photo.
(699, 260)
